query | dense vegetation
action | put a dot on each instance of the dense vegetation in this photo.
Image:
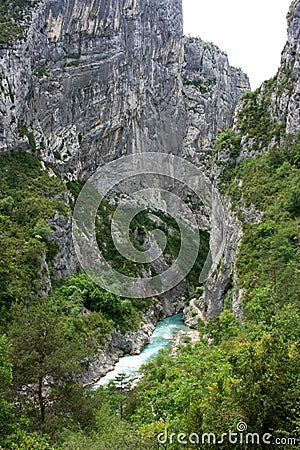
(14, 19)
(44, 339)
(28, 197)
(248, 371)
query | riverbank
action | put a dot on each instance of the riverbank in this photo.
(162, 338)
(182, 338)
(118, 345)
(131, 342)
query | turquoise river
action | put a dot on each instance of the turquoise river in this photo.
(161, 338)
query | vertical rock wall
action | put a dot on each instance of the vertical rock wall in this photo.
(95, 80)
(212, 89)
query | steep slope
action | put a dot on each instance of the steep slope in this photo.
(95, 80)
(211, 89)
(285, 99)
(244, 372)
(266, 120)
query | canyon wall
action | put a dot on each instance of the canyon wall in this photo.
(97, 79)
(211, 89)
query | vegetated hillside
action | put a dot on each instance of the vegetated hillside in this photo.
(49, 325)
(246, 371)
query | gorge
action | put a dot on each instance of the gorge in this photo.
(85, 83)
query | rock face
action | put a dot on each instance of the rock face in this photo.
(65, 263)
(285, 100)
(119, 345)
(95, 80)
(211, 89)
(277, 100)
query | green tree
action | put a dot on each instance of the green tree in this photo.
(120, 389)
(22, 440)
(44, 364)
(6, 410)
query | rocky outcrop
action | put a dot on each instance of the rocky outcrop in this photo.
(183, 338)
(221, 278)
(44, 279)
(285, 99)
(65, 262)
(211, 90)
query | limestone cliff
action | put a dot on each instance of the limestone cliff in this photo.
(95, 80)
(264, 120)
(211, 90)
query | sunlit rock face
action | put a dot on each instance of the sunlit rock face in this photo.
(95, 80)
(211, 90)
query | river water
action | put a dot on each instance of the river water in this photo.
(161, 339)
